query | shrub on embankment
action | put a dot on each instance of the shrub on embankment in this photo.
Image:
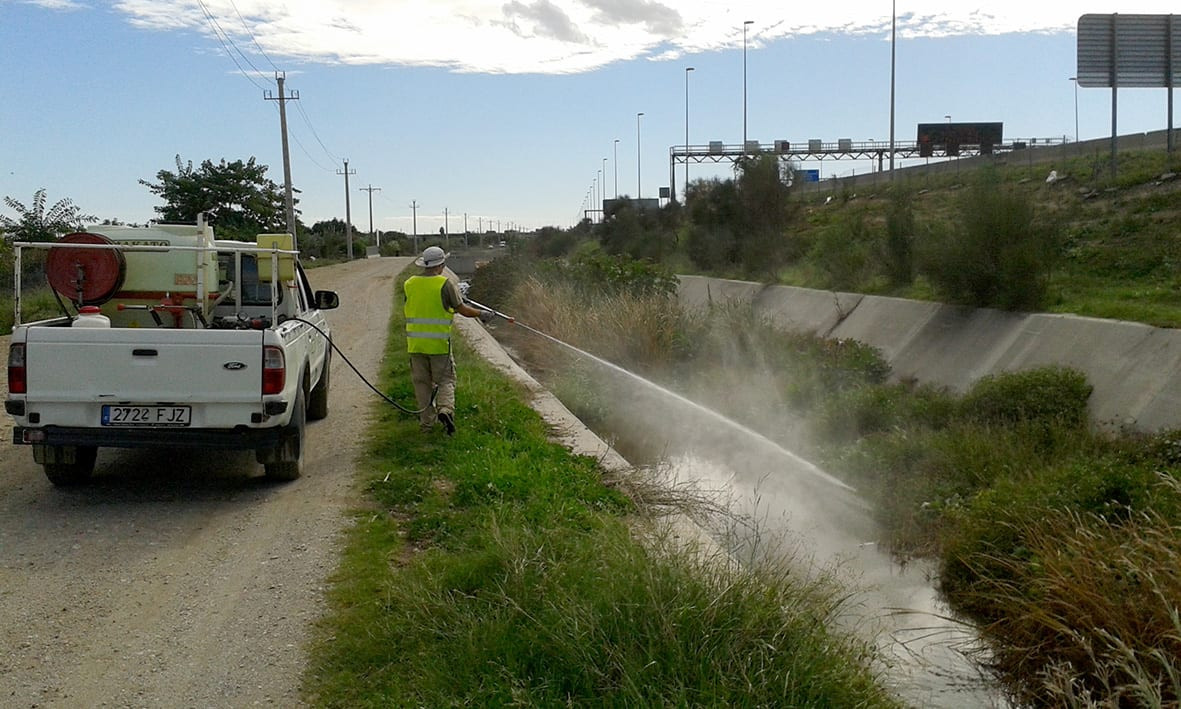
(1061, 541)
(495, 568)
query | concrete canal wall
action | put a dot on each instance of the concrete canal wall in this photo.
(1135, 369)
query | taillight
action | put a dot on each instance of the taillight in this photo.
(17, 381)
(274, 370)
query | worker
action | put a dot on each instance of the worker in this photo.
(432, 300)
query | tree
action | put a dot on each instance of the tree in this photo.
(766, 211)
(236, 197)
(742, 224)
(36, 223)
(325, 239)
(713, 220)
(638, 233)
(898, 254)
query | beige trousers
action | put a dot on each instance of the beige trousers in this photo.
(427, 371)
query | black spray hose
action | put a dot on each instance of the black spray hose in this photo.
(388, 400)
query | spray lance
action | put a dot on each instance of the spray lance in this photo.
(486, 309)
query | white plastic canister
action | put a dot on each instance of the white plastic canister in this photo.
(90, 316)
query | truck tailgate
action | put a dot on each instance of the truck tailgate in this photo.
(218, 373)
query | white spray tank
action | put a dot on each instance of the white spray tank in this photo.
(91, 316)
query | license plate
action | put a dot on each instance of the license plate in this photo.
(154, 415)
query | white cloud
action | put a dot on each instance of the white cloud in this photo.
(58, 4)
(566, 36)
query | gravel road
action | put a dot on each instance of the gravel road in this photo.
(184, 579)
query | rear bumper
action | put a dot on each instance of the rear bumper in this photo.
(231, 439)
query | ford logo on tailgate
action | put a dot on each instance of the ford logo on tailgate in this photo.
(234, 366)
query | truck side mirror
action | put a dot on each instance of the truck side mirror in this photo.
(327, 300)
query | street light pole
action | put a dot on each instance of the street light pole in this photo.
(746, 24)
(603, 172)
(602, 182)
(615, 148)
(594, 197)
(687, 70)
(639, 182)
(1075, 80)
(893, 42)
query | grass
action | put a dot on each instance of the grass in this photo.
(37, 304)
(495, 568)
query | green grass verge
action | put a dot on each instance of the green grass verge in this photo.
(495, 568)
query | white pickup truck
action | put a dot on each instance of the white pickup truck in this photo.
(170, 338)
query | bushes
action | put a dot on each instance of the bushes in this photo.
(639, 234)
(495, 280)
(1049, 395)
(920, 452)
(999, 255)
(1078, 577)
(845, 253)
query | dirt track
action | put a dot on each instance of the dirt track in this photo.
(182, 579)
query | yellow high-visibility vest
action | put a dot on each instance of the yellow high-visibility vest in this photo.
(428, 323)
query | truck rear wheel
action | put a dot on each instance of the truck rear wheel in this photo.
(65, 467)
(288, 458)
(318, 401)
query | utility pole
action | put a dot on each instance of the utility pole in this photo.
(348, 213)
(893, 43)
(446, 228)
(371, 189)
(465, 229)
(283, 98)
(414, 209)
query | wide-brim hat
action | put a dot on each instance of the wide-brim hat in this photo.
(432, 256)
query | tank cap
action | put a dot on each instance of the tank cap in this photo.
(89, 310)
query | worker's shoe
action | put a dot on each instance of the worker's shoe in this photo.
(448, 422)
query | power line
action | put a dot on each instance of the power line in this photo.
(226, 42)
(309, 155)
(231, 49)
(252, 37)
(315, 134)
(299, 107)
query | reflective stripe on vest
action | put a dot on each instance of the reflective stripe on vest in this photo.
(428, 323)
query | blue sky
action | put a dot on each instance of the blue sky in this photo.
(504, 111)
